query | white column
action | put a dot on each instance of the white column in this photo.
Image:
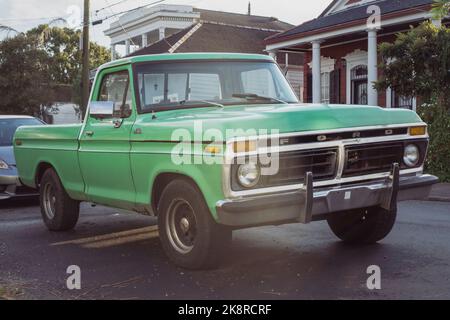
(273, 54)
(127, 47)
(372, 68)
(144, 40)
(389, 97)
(162, 33)
(316, 72)
(113, 51)
(437, 22)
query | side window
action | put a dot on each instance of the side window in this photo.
(116, 88)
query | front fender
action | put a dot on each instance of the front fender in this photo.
(147, 167)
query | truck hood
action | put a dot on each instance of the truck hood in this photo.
(284, 118)
(7, 155)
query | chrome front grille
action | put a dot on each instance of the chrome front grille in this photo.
(296, 164)
(372, 158)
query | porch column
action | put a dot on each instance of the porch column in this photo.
(372, 68)
(144, 40)
(316, 72)
(389, 97)
(273, 54)
(162, 33)
(113, 51)
(127, 47)
(437, 22)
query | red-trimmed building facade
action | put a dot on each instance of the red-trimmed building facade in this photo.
(340, 46)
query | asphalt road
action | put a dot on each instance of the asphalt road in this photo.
(120, 258)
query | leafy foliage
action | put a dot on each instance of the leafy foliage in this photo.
(25, 79)
(440, 9)
(418, 64)
(32, 65)
(438, 161)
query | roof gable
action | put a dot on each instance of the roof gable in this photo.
(340, 5)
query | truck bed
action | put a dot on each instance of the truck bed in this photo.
(35, 146)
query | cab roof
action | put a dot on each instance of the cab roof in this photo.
(185, 56)
(3, 117)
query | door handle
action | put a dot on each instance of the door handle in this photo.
(89, 133)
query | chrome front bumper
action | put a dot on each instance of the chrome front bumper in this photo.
(310, 204)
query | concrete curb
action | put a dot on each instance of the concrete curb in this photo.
(438, 199)
(440, 192)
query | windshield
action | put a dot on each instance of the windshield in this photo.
(201, 83)
(8, 128)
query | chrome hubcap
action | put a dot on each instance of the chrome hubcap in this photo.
(181, 226)
(184, 225)
(49, 201)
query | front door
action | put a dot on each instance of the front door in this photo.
(105, 143)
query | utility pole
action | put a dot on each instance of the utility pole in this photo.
(85, 72)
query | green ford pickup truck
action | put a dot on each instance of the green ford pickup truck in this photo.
(211, 143)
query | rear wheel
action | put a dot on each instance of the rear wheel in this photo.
(363, 226)
(189, 235)
(59, 211)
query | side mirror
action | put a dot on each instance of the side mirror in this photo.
(101, 109)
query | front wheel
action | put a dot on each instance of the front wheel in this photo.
(189, 235)
(59, 211)
(363, 226)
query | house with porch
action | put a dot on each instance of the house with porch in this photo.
(340, 47)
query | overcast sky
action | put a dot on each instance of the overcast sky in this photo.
(25, 14)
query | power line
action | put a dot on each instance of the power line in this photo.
(121, 25)
(100, 21)
(27, 19)
(110, 6)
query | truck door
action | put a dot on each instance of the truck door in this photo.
(105, 142)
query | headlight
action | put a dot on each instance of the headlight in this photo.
(248, 175)
(411, 156)
(3, 165)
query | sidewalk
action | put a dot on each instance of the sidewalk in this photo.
(440, 192)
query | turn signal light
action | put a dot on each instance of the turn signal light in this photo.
(213, 149)
(244, 146)
(418, 131)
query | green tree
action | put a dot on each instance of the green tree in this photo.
(58, 50)
(25, 80)
(417, 64)
(440, 8)
(63, 46)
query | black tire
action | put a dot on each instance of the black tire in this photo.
(59, 211)
(189, 235)
(363, 226)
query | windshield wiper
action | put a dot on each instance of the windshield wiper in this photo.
(252, 96)
(213, 104)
